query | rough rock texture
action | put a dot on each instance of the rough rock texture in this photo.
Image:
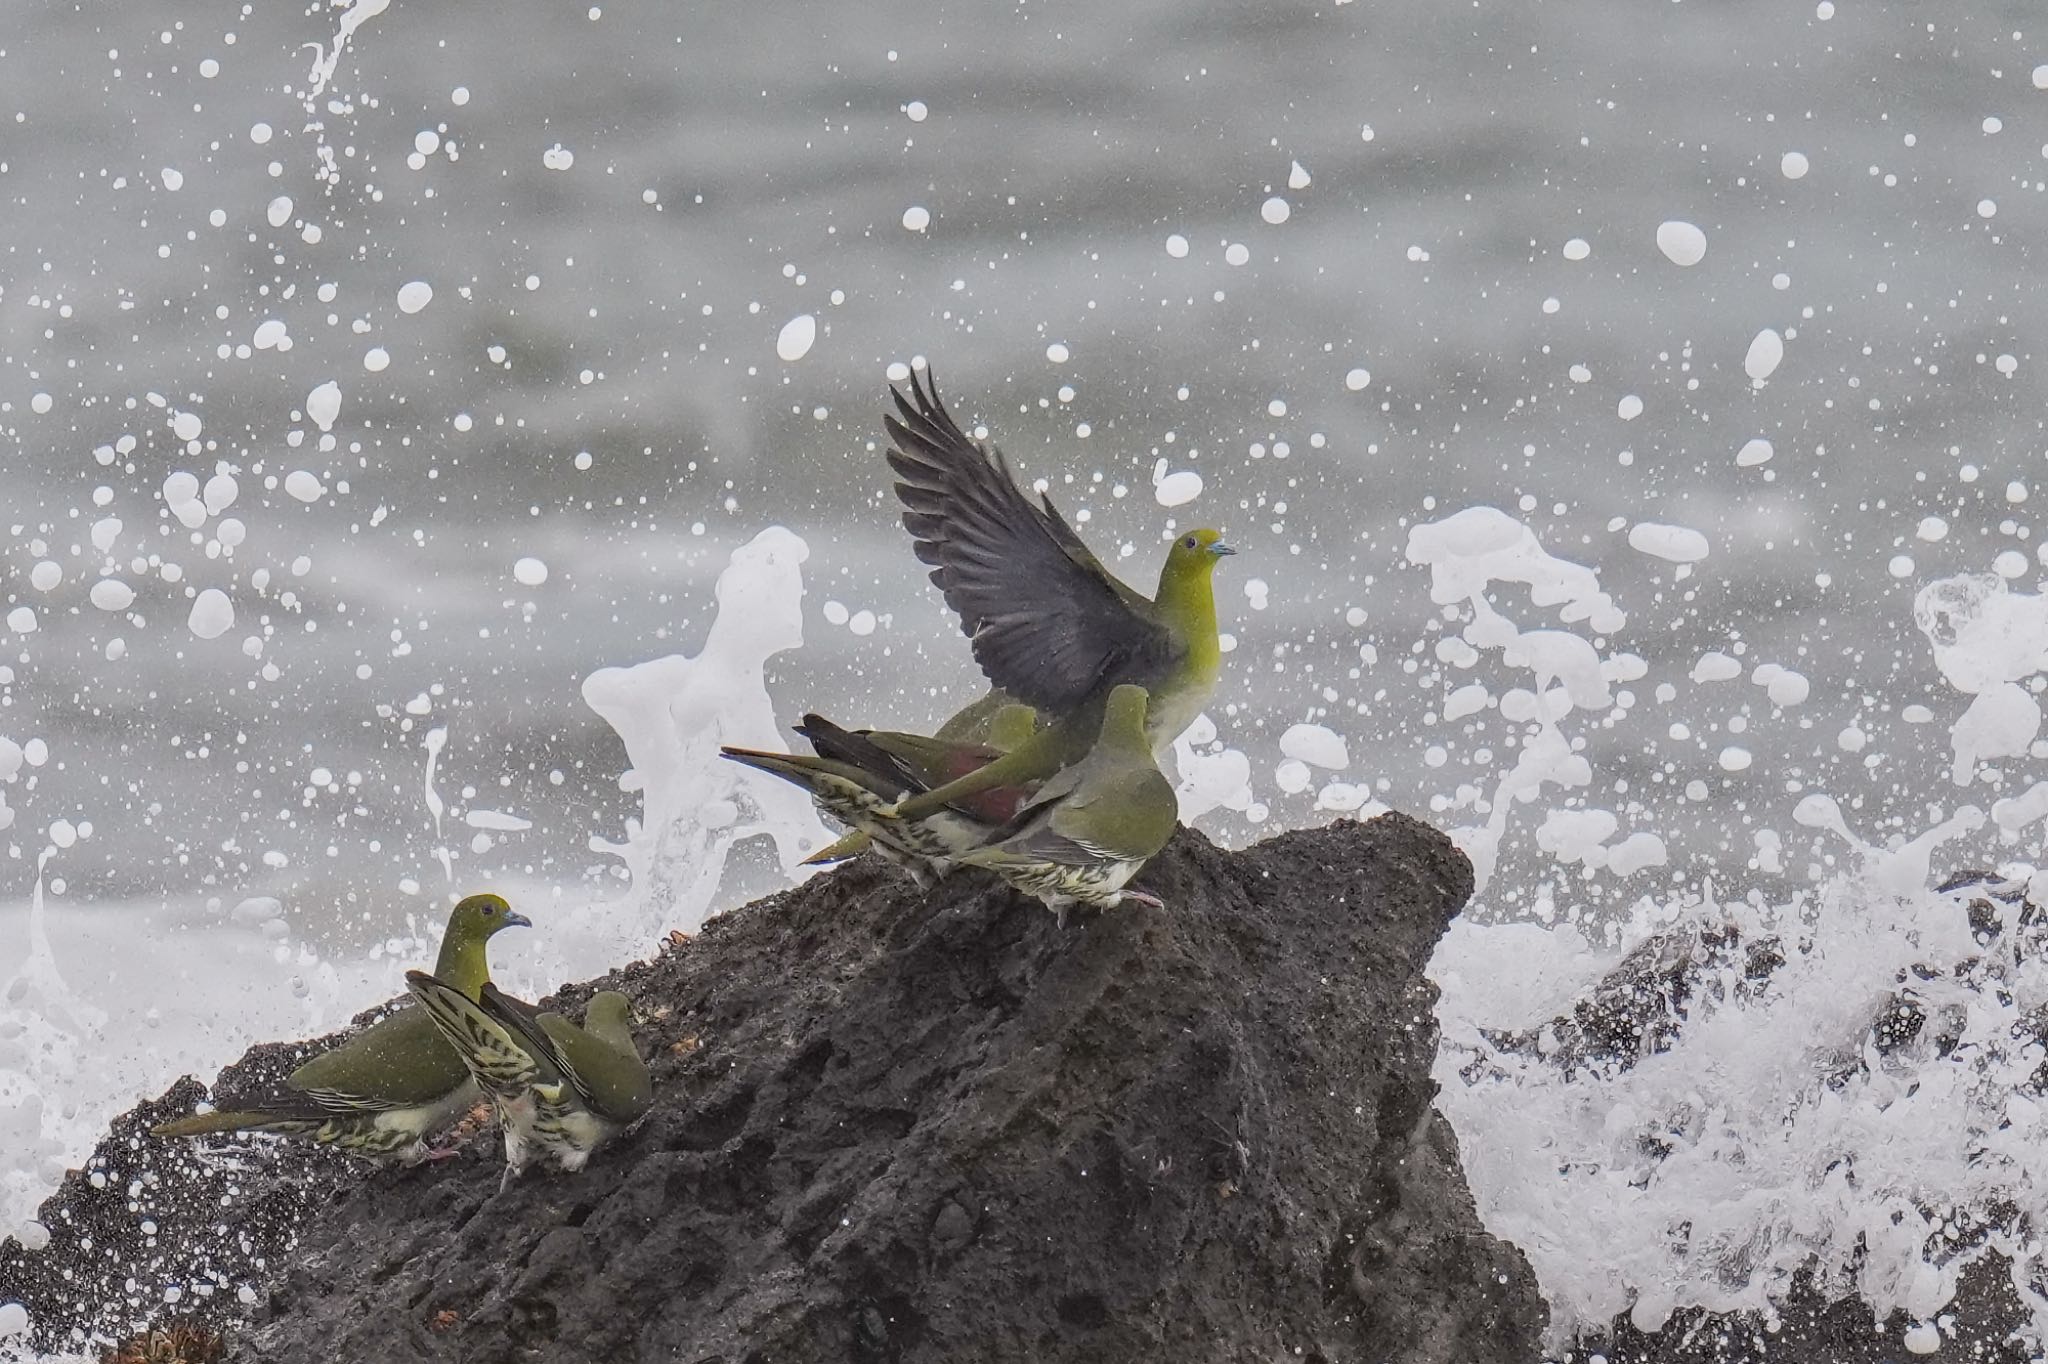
(932, 1127)
(1813, 1329)
(143, 1219)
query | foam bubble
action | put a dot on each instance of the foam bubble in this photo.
(1178, 488)
(1316, 744)
(1766, 352)
(220, 493)
(1675, 544)
(323, 405)
(796, 338)
(111, 594)
(212, 614)
(1681, 242)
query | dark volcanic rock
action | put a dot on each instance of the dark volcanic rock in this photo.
(926, 1127)
(1812, 1328)
(149, 1229)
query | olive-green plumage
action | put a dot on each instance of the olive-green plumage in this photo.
(1049, 625)
(388, 1089)
(1086, 832)
(994, 719)
(958, 745)
(858, 773)
(1061, 743)
(559, 1090)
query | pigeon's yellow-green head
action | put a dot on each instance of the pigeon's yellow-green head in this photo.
(610, 1016)
(1184, 593)
(1196, 553)
(1123, 717)
(478, 917)
(618, 1085)
(471, 924)
(1010, 726)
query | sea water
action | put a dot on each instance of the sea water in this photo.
(420, 456)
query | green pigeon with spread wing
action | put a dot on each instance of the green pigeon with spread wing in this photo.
(386, 1091)
(560, 1091)
(1087, 831)
(1049, 625)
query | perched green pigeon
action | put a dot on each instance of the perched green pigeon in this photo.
(856, 773)
(996, 723)
(559, 1090)
(1086, 832)
(995, 719)
(384, 1092)
(1049, 625)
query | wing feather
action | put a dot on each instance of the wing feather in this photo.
(400, 1061)
(497, 1060)
(1047, 622)
(535, 1038)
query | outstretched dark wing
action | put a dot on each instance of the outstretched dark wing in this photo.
(1049, 625)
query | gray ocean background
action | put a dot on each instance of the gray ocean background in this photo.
(619, 207)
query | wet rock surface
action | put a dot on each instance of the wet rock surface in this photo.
(893, 1125)
(1810, 1327)
(148, 1229)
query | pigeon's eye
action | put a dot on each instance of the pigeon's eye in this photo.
(1189, 542)
(489, 910)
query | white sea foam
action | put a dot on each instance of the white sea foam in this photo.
(323, 404)
(673, 713)
(1766, 352)
(1681, 242)
(1769, 1122)
(1466, 554)
(796, 338)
